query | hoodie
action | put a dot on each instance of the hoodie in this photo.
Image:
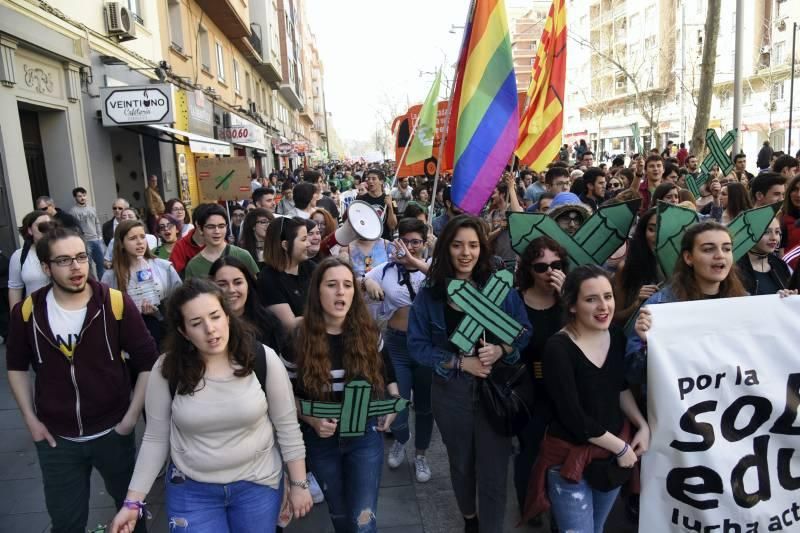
(90, 392)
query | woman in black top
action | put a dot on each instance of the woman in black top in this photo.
(283, 282)
(254, 233)
(584, 373)
(338, 342)
(239, 286)
(540, 274)
(760, 270)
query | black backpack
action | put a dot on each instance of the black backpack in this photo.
(260, 371)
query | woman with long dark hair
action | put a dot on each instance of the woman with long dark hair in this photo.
(734, 199)
(337, 342)
(590, 435)
(761, 271)
(283, 282)
(790, 221)
(254, 233)
(25, 274)
(241, 293)
(148, 280)
(705, 269)
(540, 275)
(477, 452)
(226, 434)
(639, 276)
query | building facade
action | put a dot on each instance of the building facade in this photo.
(236, 78)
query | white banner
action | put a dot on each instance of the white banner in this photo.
(723, 392)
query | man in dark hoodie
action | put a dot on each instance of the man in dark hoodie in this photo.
(72, 332)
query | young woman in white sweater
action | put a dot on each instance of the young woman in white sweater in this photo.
(226, 436)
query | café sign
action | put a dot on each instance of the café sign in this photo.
(147, 104)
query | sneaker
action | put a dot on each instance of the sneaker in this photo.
(423, 471)
(316, 493)
(397, 454)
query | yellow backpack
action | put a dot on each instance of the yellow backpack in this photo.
(117, 305)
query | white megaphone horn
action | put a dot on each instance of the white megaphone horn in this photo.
(362, 223)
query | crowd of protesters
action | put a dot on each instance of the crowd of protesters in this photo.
(217, 320)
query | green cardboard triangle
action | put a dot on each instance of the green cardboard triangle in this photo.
(672, 221)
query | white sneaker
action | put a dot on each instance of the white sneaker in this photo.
(422, 470)
(397, 454)
(316, 493)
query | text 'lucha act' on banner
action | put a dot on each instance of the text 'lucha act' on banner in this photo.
(723, 393)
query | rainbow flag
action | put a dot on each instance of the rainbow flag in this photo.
(543, 120)
(484, 118)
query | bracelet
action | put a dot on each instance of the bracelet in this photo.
(136, 505)
(624, 451)
(461, 364)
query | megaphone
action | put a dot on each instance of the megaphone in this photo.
(362, 222)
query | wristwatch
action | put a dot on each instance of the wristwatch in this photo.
(302, 484)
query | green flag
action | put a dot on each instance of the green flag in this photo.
(422, 143)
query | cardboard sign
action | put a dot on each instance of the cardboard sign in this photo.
(722, 407)
(226, 178)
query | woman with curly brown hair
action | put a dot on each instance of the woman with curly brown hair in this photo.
(227, 436)
(338, 342)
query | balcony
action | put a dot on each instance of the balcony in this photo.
(292, 95)
(259, 58)
(230, 19)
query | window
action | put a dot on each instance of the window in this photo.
(777, 91)
(237, 85)
(175, 27)
(220, 62)
(779, 53)
(135, 10)
(650, 42)
(205, 50)
(247, 86)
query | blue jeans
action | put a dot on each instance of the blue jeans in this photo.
(238, 507)
(411, 375)
(95, 250)
(577, 506)
(349, 472)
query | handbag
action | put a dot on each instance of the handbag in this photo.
(507, 396)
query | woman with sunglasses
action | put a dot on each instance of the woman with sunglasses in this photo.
(639, 276)
(338, 342)
(169, 228)
(395, 284)
(477, 452)
(283, 282)
(254, 233)
(25, 274)
(148, 280)
(176, 208)
(613, 188)
(540, 276)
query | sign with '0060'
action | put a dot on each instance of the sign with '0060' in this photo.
(148, 104)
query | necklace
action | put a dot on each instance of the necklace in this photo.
(763, 268)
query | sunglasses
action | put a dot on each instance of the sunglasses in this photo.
(614, 185)
(164, 227)
(541, 268)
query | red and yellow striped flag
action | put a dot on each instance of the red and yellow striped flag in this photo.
(542, 122)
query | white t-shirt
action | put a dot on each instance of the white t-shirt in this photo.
(66, 325)
(395, 295)
(30, 277)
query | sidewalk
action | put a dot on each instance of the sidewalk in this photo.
(404, 506)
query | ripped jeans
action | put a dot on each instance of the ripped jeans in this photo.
(577, 507)
(238, 507)
(349, 472)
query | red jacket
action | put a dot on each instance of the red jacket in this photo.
(573, 459)
(183, 251)
(90, 392)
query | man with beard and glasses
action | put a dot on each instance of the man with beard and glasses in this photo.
(73, 332)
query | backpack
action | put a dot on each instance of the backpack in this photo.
(117, 305)
(260, 371)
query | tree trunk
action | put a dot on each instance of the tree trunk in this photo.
(707, 70)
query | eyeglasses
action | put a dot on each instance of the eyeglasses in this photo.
(165, 227)
(178, 208)
(413, 242)
(118, 209)
(541, 268)
(262, 222)
(570, 218)
(212, 227)
(65, 261)
(614, 185)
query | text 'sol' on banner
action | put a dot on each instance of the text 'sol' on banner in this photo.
(723, 385)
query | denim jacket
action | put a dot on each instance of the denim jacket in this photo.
(428, 342)
(636, 350)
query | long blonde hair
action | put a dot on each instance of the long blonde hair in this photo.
(120, 262)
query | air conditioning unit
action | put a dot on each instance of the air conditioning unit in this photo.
(765, 49)
(119, 22)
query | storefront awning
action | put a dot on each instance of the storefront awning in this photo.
(197, 143)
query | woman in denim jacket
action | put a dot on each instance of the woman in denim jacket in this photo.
(462, 252)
